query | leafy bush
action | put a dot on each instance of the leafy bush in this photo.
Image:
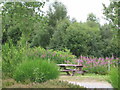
(50, 55)
(14, 55)
(11, 57)
(114, 77)
(99, 70)
(35, 71)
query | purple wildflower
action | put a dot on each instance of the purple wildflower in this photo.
(80, 60)
(107, 58)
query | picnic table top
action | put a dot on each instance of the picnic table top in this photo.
(70, 65)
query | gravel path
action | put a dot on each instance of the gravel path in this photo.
(92, 84)
(88, 81)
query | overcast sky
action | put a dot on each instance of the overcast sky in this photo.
(79, 9)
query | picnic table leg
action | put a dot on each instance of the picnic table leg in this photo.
(68, 73)
(83, 73)
(80, 70)
(65, 69)
(73, 72)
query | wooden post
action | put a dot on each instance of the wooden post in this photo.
(78, 62)
(108, 65)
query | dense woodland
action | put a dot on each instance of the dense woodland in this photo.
(25, 22)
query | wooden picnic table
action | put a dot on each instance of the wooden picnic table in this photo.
(77, 68)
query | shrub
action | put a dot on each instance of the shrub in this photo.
(11, 57)
(35, 71)
(55, 56)
(114, 77)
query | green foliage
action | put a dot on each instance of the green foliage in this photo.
(92, 17)
(41, 34)
(11, 57)
(99, 70)
(87, 38)
(50, 55)
(114, 77)
(80, 38)
(18, 19)
(36, 70)
(112, 13)
(57, 11)
(57, 42)
(109, 41)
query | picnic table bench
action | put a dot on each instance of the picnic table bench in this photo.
(77, 68)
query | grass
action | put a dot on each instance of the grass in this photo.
(87, 77)
(58, 83)
(36, 70)
(10, 83)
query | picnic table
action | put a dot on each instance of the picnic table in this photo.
(77, 68)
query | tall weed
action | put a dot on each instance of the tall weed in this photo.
(114, 77)
(36, 71)
(11, 57)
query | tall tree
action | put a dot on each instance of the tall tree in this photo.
(112, 13)
(57, 11)
(58, 40)
(18, 19)
(92, 17)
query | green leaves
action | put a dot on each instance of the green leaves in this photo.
(92, 17)
(57, 11)
(20, 17)
(112, 13)
(36, 70)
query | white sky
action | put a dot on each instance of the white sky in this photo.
(79, 9)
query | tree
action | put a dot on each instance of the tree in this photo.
(73, 20)
(112, 15)
(105, 40)
(76, 39)
(57, 42)
(92, 17)
(80, 38)
(18, 20)
(41, 34)
(57, 11)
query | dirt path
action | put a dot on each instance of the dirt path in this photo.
(88, 82)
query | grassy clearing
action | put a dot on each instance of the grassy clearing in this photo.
(85, 78)
(10, 83)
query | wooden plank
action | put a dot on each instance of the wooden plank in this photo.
(69, 65)
(67, 70)
(78, 68)
(65, 64)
